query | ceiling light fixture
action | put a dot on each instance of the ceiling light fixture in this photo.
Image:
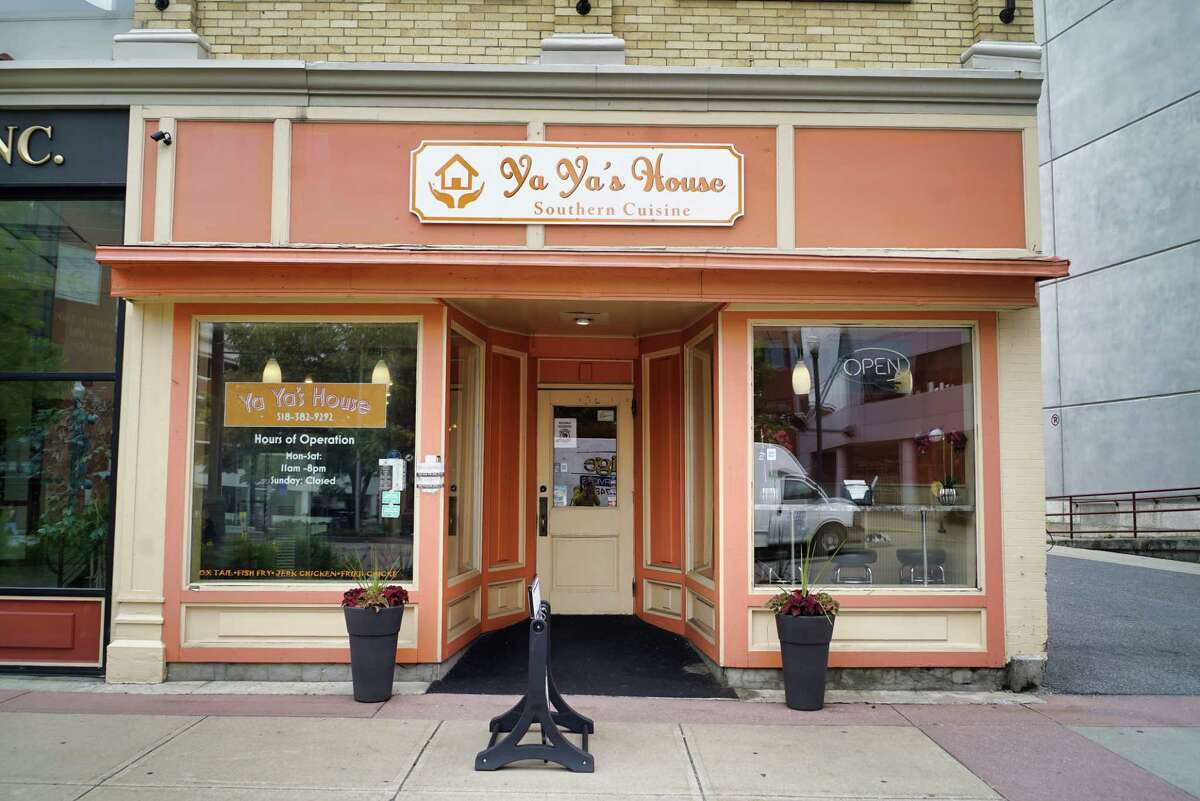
(272, 374)
(801, 379)
(381, 374)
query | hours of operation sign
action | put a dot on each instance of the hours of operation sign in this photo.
(576, 183)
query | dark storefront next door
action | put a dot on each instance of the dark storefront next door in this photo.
(61, 195)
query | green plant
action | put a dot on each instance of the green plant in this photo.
(246, 553)
(372, 592)
(73, 541)
(314, 552)
(805, 600)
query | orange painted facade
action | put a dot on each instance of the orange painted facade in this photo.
(954, 193)
(903, 188)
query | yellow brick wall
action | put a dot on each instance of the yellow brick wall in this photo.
(471, 31)
(727, 33)
(988, 26)
(568, 20)
(180, 14)
(1022, 483)
(768, 33)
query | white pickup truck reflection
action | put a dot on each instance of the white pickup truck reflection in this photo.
(790, 509)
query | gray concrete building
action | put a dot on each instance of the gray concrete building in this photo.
(1120, 184)
(62, 29)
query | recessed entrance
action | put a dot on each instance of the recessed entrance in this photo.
(594, 428)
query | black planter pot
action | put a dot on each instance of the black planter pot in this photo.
(373, 636)
(804, 642)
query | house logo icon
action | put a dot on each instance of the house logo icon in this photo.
(457, 181)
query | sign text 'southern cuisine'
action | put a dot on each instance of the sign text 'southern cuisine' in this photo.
(574, 183)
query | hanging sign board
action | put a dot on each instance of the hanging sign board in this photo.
(72, 147)
(576, 183)
(304, 405)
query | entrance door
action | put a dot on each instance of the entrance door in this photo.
(585, 500)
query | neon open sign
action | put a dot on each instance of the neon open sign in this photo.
(875, 365)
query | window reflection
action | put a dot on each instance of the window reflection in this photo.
(699, 463)
(864, 454)
(585, 456)
(56, 435)
(55, 468)
(56, 313)
(463, 453)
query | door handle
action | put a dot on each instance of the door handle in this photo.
(543, 522)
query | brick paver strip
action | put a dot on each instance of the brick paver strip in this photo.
(326, 706)
(1048, 763)
(973, 714)
(1123, 710)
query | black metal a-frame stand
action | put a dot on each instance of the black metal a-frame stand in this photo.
(534, 707)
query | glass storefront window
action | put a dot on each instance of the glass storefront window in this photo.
(58, 324)
(55, 473)
(585, 456)
(304, 448)
(699, 461)
(56, 312)
(864, 455)
(464, 454)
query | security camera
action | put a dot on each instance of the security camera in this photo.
(161, 136)
(162, 5)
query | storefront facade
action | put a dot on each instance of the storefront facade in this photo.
(62, 177)
(803, 316)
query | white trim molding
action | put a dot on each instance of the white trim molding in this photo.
(1020, 57)
(298, 83)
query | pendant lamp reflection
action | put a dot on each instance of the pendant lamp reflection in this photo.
(381, 374)
(801, 379)
(271, 372)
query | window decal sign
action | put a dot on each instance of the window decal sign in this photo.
(303, 405)
(565, 429)
(576, 183)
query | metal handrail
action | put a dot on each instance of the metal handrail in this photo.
(1131, 497)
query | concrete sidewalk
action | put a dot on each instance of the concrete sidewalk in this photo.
(109, 746)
